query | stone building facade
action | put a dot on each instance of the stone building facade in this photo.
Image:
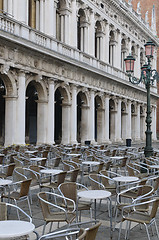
(62, 73)
(149, 11)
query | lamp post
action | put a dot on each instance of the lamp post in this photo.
(148, 76)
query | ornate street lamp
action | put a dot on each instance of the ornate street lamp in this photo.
(148, 76)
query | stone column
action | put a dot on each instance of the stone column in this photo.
(73, 122)
(84, 123)
(118, 122)
(10, 7)
(137, 123)
(22, 11)
(1, 4)
(153, 117)
(66, 123)
(49, 17)
(91, 35)
(91, 128)
(73, 25)
(41, 15)
(41, 121)
(100, 125)
(106, 43)
(106, 120)
(128, 120)
(118, 51)
(20, 110)
(50, 113)
(10, 120)
(37, 15)
(32, 10)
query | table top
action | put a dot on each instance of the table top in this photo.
(90, 163)
(1, 155)
(15, 228)
(51, 171)
(126, 179)
(37, 159)
(154, 166)
(73, 154)
(30, 152)
(117, 157)
(94, 194)
(4, 182)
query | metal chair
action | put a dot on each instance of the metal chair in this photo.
(59, 214)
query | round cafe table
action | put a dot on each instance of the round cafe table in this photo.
(97, 195)
(15, 228)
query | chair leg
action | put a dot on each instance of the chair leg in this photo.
(50, 226)
(17, 209)
(147, 232)
(29, 207)
(120, 230)
(156, 228)
(44, 228)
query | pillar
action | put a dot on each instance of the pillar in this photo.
(106, 120)
(37, 15)
(10, 7)
(73, 25)
(128, 120)
(73, 121)
(49, 18)
(106, 44)
(137, 123)
(50, 113)
(41, 15)
(91, 134)
(66, 123)
(118, 122)
(20, 109)
(10, 120)
(32, 16)
(84, 123)
(41, 121)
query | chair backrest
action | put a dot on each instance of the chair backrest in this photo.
(57, 161)
(154, 208)
(67, 165)
(10, 170)
(19, 174)
(61, 177)
(24, 189)
(107, 165)
(43, 162)
(82, 234)
(100, 167)
(3, 211)
(94, 181)
(74, 174)
(44, 206)
(130, 169)
(69, 190)
(105, 180)
(92, 232)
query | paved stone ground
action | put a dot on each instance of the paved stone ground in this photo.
(102, 215)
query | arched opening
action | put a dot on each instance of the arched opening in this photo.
(98, 31)
(123, 54)
(79, 117)
(111, 48)
(81, 30)
(2, 112)
(31, 113)
(58, 116)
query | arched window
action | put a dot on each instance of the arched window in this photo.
(98, 40)
(111, 47)
(81, 30)
(123, 54)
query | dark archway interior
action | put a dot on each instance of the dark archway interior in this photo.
(2, 112)
(79, 117)
(31, 114)
(95, 114)
(58, 116)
